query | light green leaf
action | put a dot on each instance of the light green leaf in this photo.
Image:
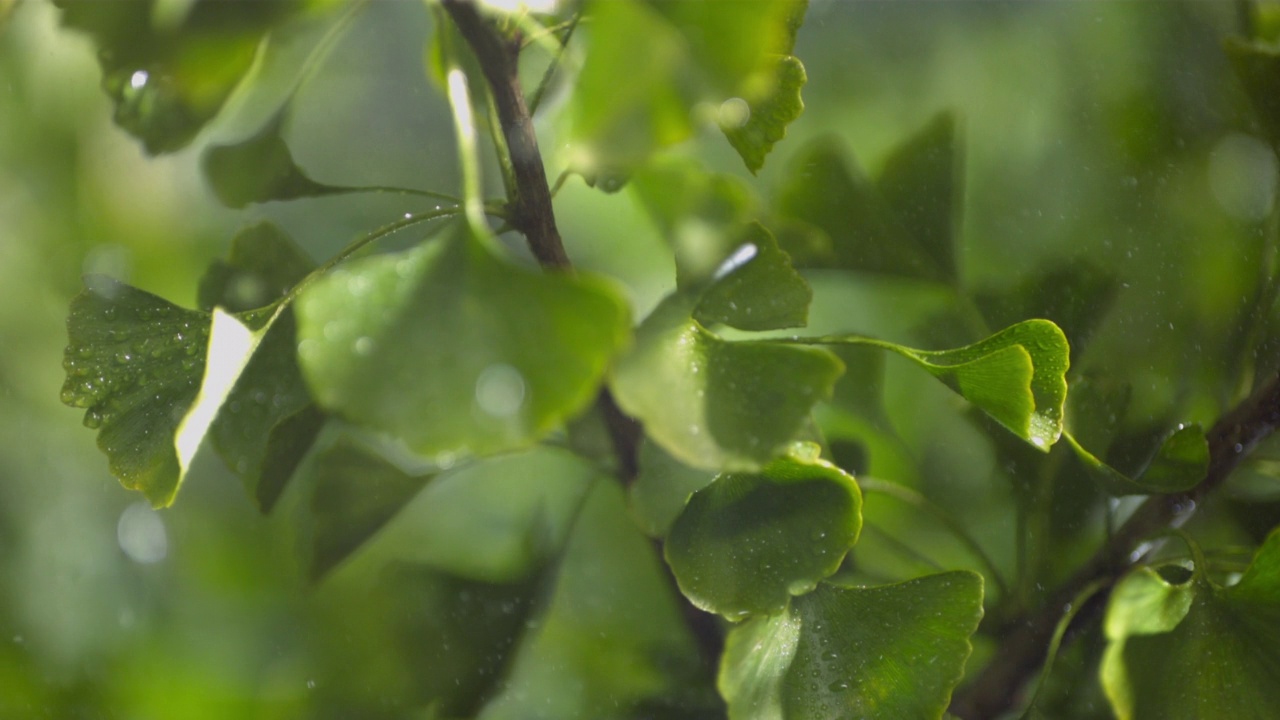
(894, 651)
(610, 638)
(661, 489)
(756, 288)
(1181, 462)
(749, 541)
(454, 350)
(714, 404)
(754, 133)
(134, 362)
(1017, 376)
(732, 43)
(921, 181)
(1196, 650)
(259, 169)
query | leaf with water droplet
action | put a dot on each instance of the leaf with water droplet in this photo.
(1195, 649)
(770, 112)
(137, 404)
(715, 404)
(259, 169)
(894, 651)
(1181, 462)
(755, 288)
(264, 263)
(749, 541)
(169, 74)
(467, 353)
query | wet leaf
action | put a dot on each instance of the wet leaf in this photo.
(454, 350)
(259, 169)
(1180, 463)
(714, 404)
(768, 115)
(134, 363)
(756, 288)
(894, 651)
(168, 79)
(1195, 649)
(749, 541)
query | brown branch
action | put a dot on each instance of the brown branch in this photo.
(531, 212)
(1022, 649)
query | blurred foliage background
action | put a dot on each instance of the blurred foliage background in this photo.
(1114, 180)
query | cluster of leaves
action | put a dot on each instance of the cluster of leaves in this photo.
(431, 411)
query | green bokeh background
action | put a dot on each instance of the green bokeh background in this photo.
(1111, 133)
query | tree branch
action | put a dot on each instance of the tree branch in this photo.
(531, 212)
(1022, 649)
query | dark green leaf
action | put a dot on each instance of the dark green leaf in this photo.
(168, 79)
(714, 404)
(263, 265)
(754, 133)
(749, 541)
(1258, 67)
(1181, 462)
(512, 353)
(823, 190)
(1194, 649)
(895, 651)
(134, 362)
(259, 169)
(920, 181)
(756, 288)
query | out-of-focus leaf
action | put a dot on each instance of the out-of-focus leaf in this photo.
(1017, 376)
(920, 181)
(610, 636)
(714, 404)
(661, 489)
(756, 288)
(822, 189)
(511, 353)
(264, 264)
(168, 80)
(259, 169)
(768, 115)
(355, 491)
(1194, 649)
(134, 362)
(1257, 65)
(496, 520)
(1181, 462)
(268, 422)
(749, 541)
(895, 651)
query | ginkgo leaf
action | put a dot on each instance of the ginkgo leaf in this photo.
(749, 541)
(262, 265)
(766, 117)
(894, 651)
(1179, 464)
(715, 404)
(755, 288)
(454, 350)
(259, 169)
(1193, 649)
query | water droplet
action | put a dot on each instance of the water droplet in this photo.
(500, 390)
(93, 419)
(364, 345)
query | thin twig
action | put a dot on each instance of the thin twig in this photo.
(1021, 649)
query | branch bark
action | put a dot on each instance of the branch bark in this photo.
(1021, 651)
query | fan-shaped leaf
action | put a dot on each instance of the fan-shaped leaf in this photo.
(259, 169)
(756, 288)
(768, 115)
(1180, 463)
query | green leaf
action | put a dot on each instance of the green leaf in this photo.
(1194, 649)
(823, 190)
(713, 404)
(1017, 376)
(756, 288)
(134, 362)
(754, 133)
(1180, 463)
(498, 519)
(454, 350)
(733, 43)
(268, 422)
(895, 651)
(354, 492)
(259, 169)
(1257, 65)
(168, 78)
(661, 489)
(749, 541)
(610, 637)
(920, 180)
